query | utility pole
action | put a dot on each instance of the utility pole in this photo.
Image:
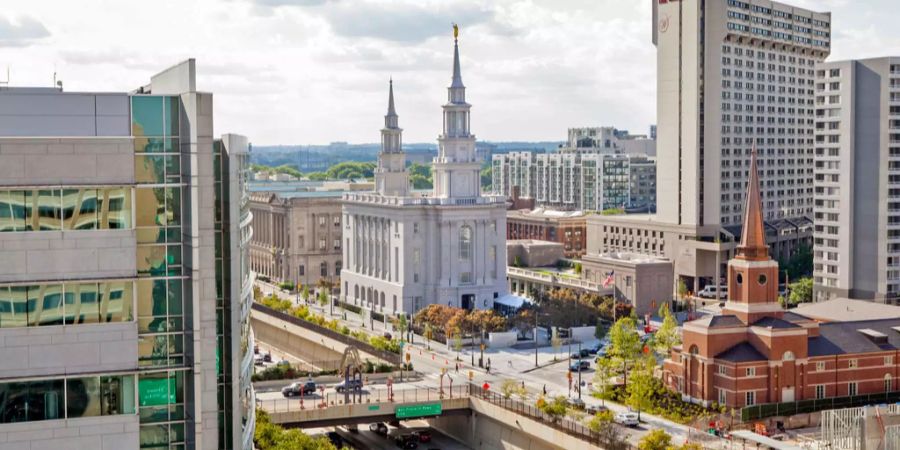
(535, 339)
(579, 372)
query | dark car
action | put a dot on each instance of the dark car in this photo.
(583, 353)
(267, 357)
(424, 436)
(351, 384)
(378, 428)
(387, 335)
(594, 409)
(335, 439)
(299, 388)
(578, 366)
(407, 441)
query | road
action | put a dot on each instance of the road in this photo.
(433, 358)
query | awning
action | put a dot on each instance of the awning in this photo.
(747, 435)
(511, 300)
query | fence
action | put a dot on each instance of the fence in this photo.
(756, 412)
(392, 358)
(319, 400)
(563, 424)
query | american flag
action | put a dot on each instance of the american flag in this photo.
(609, 279)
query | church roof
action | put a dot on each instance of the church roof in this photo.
(838, 338)
(743, 352)
(774, 322)
(753, 237)
(720, 321)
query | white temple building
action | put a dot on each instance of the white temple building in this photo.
(404, 251)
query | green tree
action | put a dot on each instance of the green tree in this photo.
(269, 436)
(801, 291)
(610, 436)
(578, 268)
(420, 176)
(288, 169)
(800, 264)
(402, 325)
(351, 170)
(323, 298)
(457, 341)
(682, 289)
(317, 176)
(667, 335)
(606, 369)
(429, 335)
(486, 180)
(554, 408)
(657, 439)
(556, 342)
(642, 387)
(511, 387)
(624, 343)
(305, 293)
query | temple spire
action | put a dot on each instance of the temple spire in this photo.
(391, 111)
(753, 236)
(457, 76)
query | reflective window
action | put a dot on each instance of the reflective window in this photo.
(32, 401)
(146, 115)
(65, 209)
(70, 303)
(12, 211)
(99, 396)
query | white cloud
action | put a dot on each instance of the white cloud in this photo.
(314, 71)
(20, 32)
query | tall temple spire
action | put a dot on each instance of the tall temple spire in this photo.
(391, 111)
(753, 237)
(457, 76)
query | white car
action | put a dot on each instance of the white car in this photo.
(711, 292)
(629, 419)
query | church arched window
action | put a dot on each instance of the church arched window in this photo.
(465, 243)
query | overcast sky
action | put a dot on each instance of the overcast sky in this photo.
(316, 71)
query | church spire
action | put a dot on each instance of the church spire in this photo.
(391, 119)
(753, 237)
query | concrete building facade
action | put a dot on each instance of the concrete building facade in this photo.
(857, 180)
(576, 179)
(566, 228)
(404, 251)
(124, 284)
(643, 281)
(297, 236)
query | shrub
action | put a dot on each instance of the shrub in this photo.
(276, 303)
(345, 330)
(555, 408)
(657, 439)
(286, 286)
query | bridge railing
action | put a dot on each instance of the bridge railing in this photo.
(331, 399)
(563, 424)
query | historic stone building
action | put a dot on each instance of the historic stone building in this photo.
(404, 251)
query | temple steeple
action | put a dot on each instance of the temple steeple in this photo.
(753, 237)
(456, 93)
(391, 177)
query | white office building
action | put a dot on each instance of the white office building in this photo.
(404, 251)
(857, 180)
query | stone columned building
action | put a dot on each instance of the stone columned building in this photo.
(404, 250)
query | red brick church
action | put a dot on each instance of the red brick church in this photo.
(756, 352)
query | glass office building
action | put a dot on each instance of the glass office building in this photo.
(124, 288)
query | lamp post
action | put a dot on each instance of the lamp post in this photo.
(579, 372)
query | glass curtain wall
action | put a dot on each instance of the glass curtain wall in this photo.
(160, 285)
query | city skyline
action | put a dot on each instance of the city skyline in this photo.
(320, 69)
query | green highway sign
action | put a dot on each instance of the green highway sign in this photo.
(374, 407)
(420, 410)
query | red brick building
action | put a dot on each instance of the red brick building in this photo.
(755, 352)
(568, 228)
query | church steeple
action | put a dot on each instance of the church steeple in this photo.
(456, 93)
(390, 175)
(753, 237)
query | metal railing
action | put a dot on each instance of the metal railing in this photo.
(563, 424)
(750, 413)
(371, 396)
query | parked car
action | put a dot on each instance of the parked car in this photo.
(387, 335)
(283, 363)
(407, 441)
(576, 403)
(583, 353)
(299, 388)
(267, 357)
(594, 409)
(352, 384)
(629, 419)
(578, 366)
(713, 292)
(258, 360)
(378, 428)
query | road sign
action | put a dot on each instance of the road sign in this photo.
(420, 410)
(374, 407)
